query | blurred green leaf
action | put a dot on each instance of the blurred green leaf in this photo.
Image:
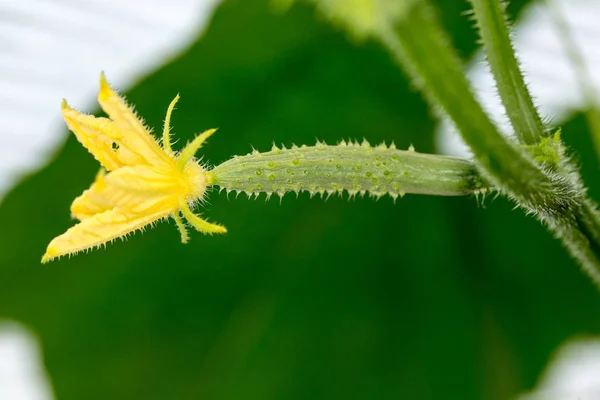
(429, 298)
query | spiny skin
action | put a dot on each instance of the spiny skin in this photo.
(356, 168)
(144, 183)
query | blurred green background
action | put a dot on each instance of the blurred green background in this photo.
(428, 298)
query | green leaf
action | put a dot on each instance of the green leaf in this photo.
(429, 298)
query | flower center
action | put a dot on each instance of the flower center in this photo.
(194, 181)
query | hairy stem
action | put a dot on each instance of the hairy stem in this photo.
(355, 168)
(580, 234)
(491, 21)
(578, 225)
(421, 46)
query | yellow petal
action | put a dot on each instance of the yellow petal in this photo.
(93, 200)
(135, 135)
(95, 134)
(99, 229)
(145, 179)
(138, 189)
(102, 138)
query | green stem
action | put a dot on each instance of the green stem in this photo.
(421, 46)
(581, 237)
(491, 21)
(578, 225)
(355, 168)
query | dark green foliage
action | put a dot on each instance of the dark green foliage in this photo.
(430, 298)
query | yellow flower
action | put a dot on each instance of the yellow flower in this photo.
(140, 183)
